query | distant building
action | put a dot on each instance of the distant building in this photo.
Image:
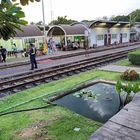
(135, 32)
(99, 33)
(105, 33)
(30, 34)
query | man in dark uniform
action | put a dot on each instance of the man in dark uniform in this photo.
(3, 53)
(32, 54)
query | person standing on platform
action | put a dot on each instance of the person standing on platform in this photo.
(3, 53)
(15, 50)
(32, 53)
(86, 46)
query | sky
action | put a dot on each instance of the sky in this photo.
(79, 9)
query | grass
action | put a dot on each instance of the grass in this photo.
(53, 88)
(58, 122)
(125, 62)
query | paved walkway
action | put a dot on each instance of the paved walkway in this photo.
(125, 125)
(116, 68)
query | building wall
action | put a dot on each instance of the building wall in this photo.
(125, 31)
(114, 31)
(9, 44)
(21, 43)
(96, 33)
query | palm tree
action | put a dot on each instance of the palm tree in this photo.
(10, 19)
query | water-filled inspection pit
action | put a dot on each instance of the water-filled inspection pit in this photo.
(98, 102)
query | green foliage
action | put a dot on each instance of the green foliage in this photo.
(124, 62)
(134, 57)
(118, 86)
(120, 18)
(56, 121)
(86, 94)
(10, 20)
(136, 87)
(130, 75)
(135, 17)
(127, 89)
(25, 2)
(62, 20)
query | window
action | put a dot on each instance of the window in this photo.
(124, 35)
(114, 36)
(100, 37)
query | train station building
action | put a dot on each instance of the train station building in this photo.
(93, 34)
(99, 33)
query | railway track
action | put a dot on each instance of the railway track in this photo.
(13, 85)
(69, 55)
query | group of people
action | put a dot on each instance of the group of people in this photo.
(32, 53)
(73, 45)
(3, 52)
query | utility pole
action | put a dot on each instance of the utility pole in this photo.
(51, 10)
(44, 28)
(129, 28)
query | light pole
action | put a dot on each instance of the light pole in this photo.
(51, 10)
(129, 28)
(44, 31)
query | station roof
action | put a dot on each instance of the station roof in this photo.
(67, 30)
(29, 31)
(86, 23)
(101, 23)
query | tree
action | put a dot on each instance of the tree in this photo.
(10, 19)
(62, 20)
(120, 18)
(25, 2)
(135, 15)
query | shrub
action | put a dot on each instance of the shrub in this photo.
(127, 90)
(134, 57)
(130, 75)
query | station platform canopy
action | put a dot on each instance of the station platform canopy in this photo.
(67, 30)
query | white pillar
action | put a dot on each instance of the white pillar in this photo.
(65, 40)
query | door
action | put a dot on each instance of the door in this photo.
(109, 39)
(105, 40)
(121, 38)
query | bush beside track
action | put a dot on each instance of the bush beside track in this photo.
(134, 57)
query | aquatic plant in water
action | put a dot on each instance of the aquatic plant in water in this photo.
(86, 94)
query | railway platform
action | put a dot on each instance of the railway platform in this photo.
(63, 54)
(49, 62)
